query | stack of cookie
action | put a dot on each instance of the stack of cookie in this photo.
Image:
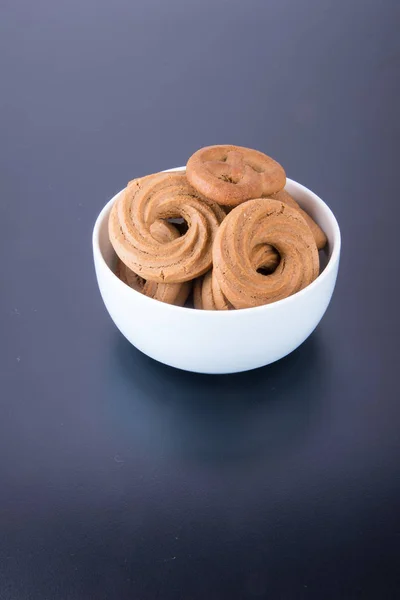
(226, 230)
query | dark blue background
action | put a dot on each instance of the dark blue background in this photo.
(121, 478)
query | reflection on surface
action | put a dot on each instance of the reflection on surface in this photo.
(216, 418)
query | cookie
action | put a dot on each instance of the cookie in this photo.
(203, 296)
(250, 226)
(230, 175)
(164, 196)
(319, 235)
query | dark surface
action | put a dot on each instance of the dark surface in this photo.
(121, 478)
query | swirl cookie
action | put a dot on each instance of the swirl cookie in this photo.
(171, 293)
(229, 175)
(319, 235)
(207, 294)
(250, 225)
(164, 196)
(203, 296)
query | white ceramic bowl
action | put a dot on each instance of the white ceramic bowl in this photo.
(218, 341)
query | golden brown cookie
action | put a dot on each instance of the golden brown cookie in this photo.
(249, 226)
(171, 293)
(203, 297)
(164, 196)
(207, 294)
(220, 301)
(229, 175)
(319, 235)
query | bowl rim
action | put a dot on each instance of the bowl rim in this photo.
(229, 314)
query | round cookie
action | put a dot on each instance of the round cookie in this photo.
(230, 175)
(207, 294)
(249, 226)
(164, 196)
(319, 235)
(203, 297)
(171, 293)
